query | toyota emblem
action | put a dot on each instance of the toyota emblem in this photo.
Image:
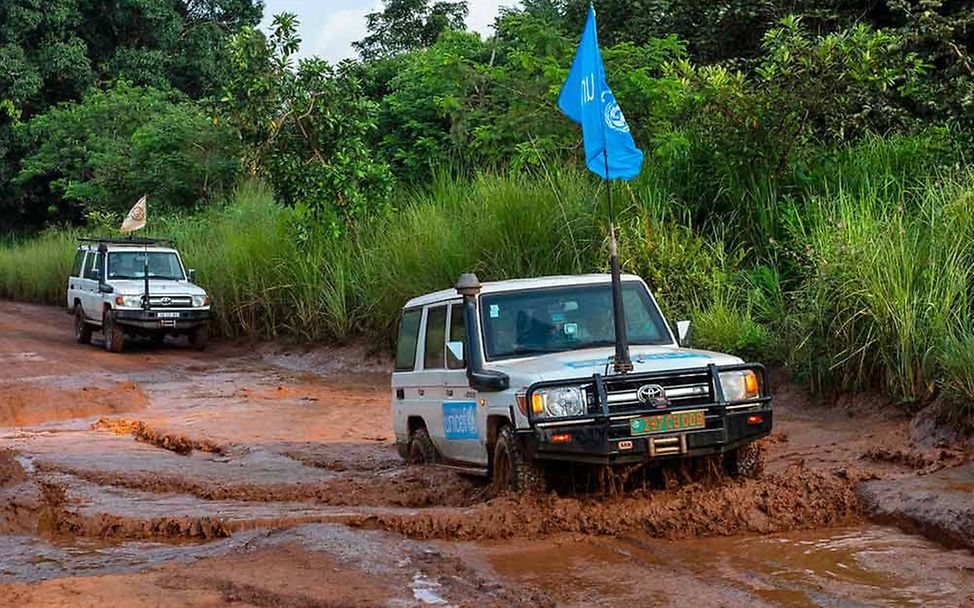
(653, 394)
(166, 301)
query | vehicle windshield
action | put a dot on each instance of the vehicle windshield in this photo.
(541, 321)
(163, 265)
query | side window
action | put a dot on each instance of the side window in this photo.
(93, 262)
(435, 338)
(457, 334)
(79, 260)
(408, 338)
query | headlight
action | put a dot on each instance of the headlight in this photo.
(200, 301)
(128, 301)
(739, 386)
(562, 402)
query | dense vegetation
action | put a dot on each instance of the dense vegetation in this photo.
(807, 197)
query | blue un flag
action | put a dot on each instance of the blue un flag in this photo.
(587, 99)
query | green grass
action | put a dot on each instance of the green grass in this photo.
(853, 267)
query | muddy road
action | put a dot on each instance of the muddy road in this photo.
(264, 476)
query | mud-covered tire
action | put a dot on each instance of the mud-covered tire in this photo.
(421, 449)
(511, 470)
(82, 329)
(199, 337)
(746, 461)
(114, 335)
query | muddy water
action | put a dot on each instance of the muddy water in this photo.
(266, 476)
(859, 566)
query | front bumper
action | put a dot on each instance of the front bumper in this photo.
(605, 437)
(162, 320)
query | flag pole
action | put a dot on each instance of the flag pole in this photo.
(145, 274)
(622, 363)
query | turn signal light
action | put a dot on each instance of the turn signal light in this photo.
(561, 438)
(751, 385)
(755, 419)
(537, 403)
(119, 301)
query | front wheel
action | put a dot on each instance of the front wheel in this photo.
(199, 337)
(511, 470)
(114, 335)
(746, 461)
(82, 329)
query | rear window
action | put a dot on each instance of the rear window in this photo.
(79, 260)
(408, 338)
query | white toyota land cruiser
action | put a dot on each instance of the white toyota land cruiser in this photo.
(107, 290)
(505, 378)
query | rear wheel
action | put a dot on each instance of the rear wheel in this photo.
(746, 461)
(114, 336)
(511, 471)
(199, 337)
(82, 329)
(421, 449)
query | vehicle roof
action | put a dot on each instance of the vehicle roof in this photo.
(125, 247)
(517, 285)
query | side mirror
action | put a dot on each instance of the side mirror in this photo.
(191, 275)
(683, 333)
(105, 288)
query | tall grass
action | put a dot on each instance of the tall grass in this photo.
(854, 267)
(36, 270)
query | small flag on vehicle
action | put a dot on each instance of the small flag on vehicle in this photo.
(135, 220)
(587, 99)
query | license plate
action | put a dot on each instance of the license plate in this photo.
(675, 421)
(167, 315)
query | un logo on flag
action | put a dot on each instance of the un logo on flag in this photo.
(614, 119)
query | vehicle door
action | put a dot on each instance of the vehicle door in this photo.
(464, 419)
(75, 278)
(407, 376)
(432, 388)
(90, 295)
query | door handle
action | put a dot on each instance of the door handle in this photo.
(400, 393)
(449, 392)
(421, 392)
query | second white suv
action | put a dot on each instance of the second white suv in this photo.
(107, 290)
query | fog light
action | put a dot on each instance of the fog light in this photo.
(755, 419)
(561, 438)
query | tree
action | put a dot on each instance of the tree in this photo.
(102, 153)
(406, 25)
(307, 126)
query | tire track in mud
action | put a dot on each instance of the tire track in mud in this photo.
(798, 498)
(141, 431)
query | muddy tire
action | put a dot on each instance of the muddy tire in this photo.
(510, 470)
(199, 337)
(421, 449)
(82, 329)
(114, 335)
(746, 461)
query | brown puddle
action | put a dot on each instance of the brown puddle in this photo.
(839, 567)
(25, 404)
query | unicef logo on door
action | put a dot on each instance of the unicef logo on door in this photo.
(614, 118)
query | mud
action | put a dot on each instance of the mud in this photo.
(159, 438)
(264, 475)
(24, 404)
(796, 499)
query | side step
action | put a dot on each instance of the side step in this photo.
(466, 470)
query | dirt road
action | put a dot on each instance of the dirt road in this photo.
(263, 476)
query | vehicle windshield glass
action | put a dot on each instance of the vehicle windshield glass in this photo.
(131, 265)
(554, 320)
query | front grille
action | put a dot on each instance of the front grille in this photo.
(682, 390)
(170, 301)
